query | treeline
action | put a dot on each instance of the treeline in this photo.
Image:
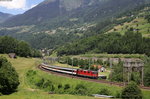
(112, 43)
(87, 64)
(21, 48)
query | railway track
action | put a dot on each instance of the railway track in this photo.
(88, 79)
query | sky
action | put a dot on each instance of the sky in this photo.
(17, 6)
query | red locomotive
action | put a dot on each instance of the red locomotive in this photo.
(72, 71)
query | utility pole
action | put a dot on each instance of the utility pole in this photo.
(72, 67)
(89, 64)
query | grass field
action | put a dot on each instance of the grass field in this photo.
(138, 23)
(27, 91)
(22, 65)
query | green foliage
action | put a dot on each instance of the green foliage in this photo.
(135, 76)
(21, 48)
(104, 92)
(148, 18)
(9, 79)
(147, 72)
(114, 43)
(60, 86)
(48, 85)
(117, 73)
(56, 87)
(131, 91)
(80, 89)
(67, 86)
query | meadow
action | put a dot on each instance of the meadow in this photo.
(139, 23)
(27, 90)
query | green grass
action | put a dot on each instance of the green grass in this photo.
(92, 87)
(56, 80)
(143, 27)
(25, 91)
(28, 91)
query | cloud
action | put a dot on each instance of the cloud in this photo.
(14, 4)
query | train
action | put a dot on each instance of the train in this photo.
(71, 71)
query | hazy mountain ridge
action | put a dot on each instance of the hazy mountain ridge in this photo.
(4, 16)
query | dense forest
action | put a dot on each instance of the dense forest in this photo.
(21, 48)
(113, 43)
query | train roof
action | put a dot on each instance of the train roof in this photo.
(87, 70)
(66, 68)
(60, 67)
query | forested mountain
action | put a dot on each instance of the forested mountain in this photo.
(129, 34)
(55, 22)
(57, 12)
(4, 16)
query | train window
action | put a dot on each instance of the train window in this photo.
(94, 72)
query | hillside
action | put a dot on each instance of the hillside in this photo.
(127, 34)
(139, 24)
(55, 12)
(4, 16)
(56, 22)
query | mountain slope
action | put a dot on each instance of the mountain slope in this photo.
(57, 12)
(4, 16)
(56, 22)
(129, 34)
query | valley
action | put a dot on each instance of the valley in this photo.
(105, 44)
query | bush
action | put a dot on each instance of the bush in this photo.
(131, 91)
(80, 89)
(48, 85)
(118, 94)
(104, 92)
(67, 86)
(60, 86)
(40, 83)
(9, 79)
(31, 73)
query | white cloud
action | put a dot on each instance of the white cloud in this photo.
(14, 4)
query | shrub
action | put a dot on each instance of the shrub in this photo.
(9, 79)
(104, 91)
(67, 86)
(131, 91)
(118, 94)
(48, 85)
(31, 73)
(60, 86)
(40, 83)
(80, 89)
